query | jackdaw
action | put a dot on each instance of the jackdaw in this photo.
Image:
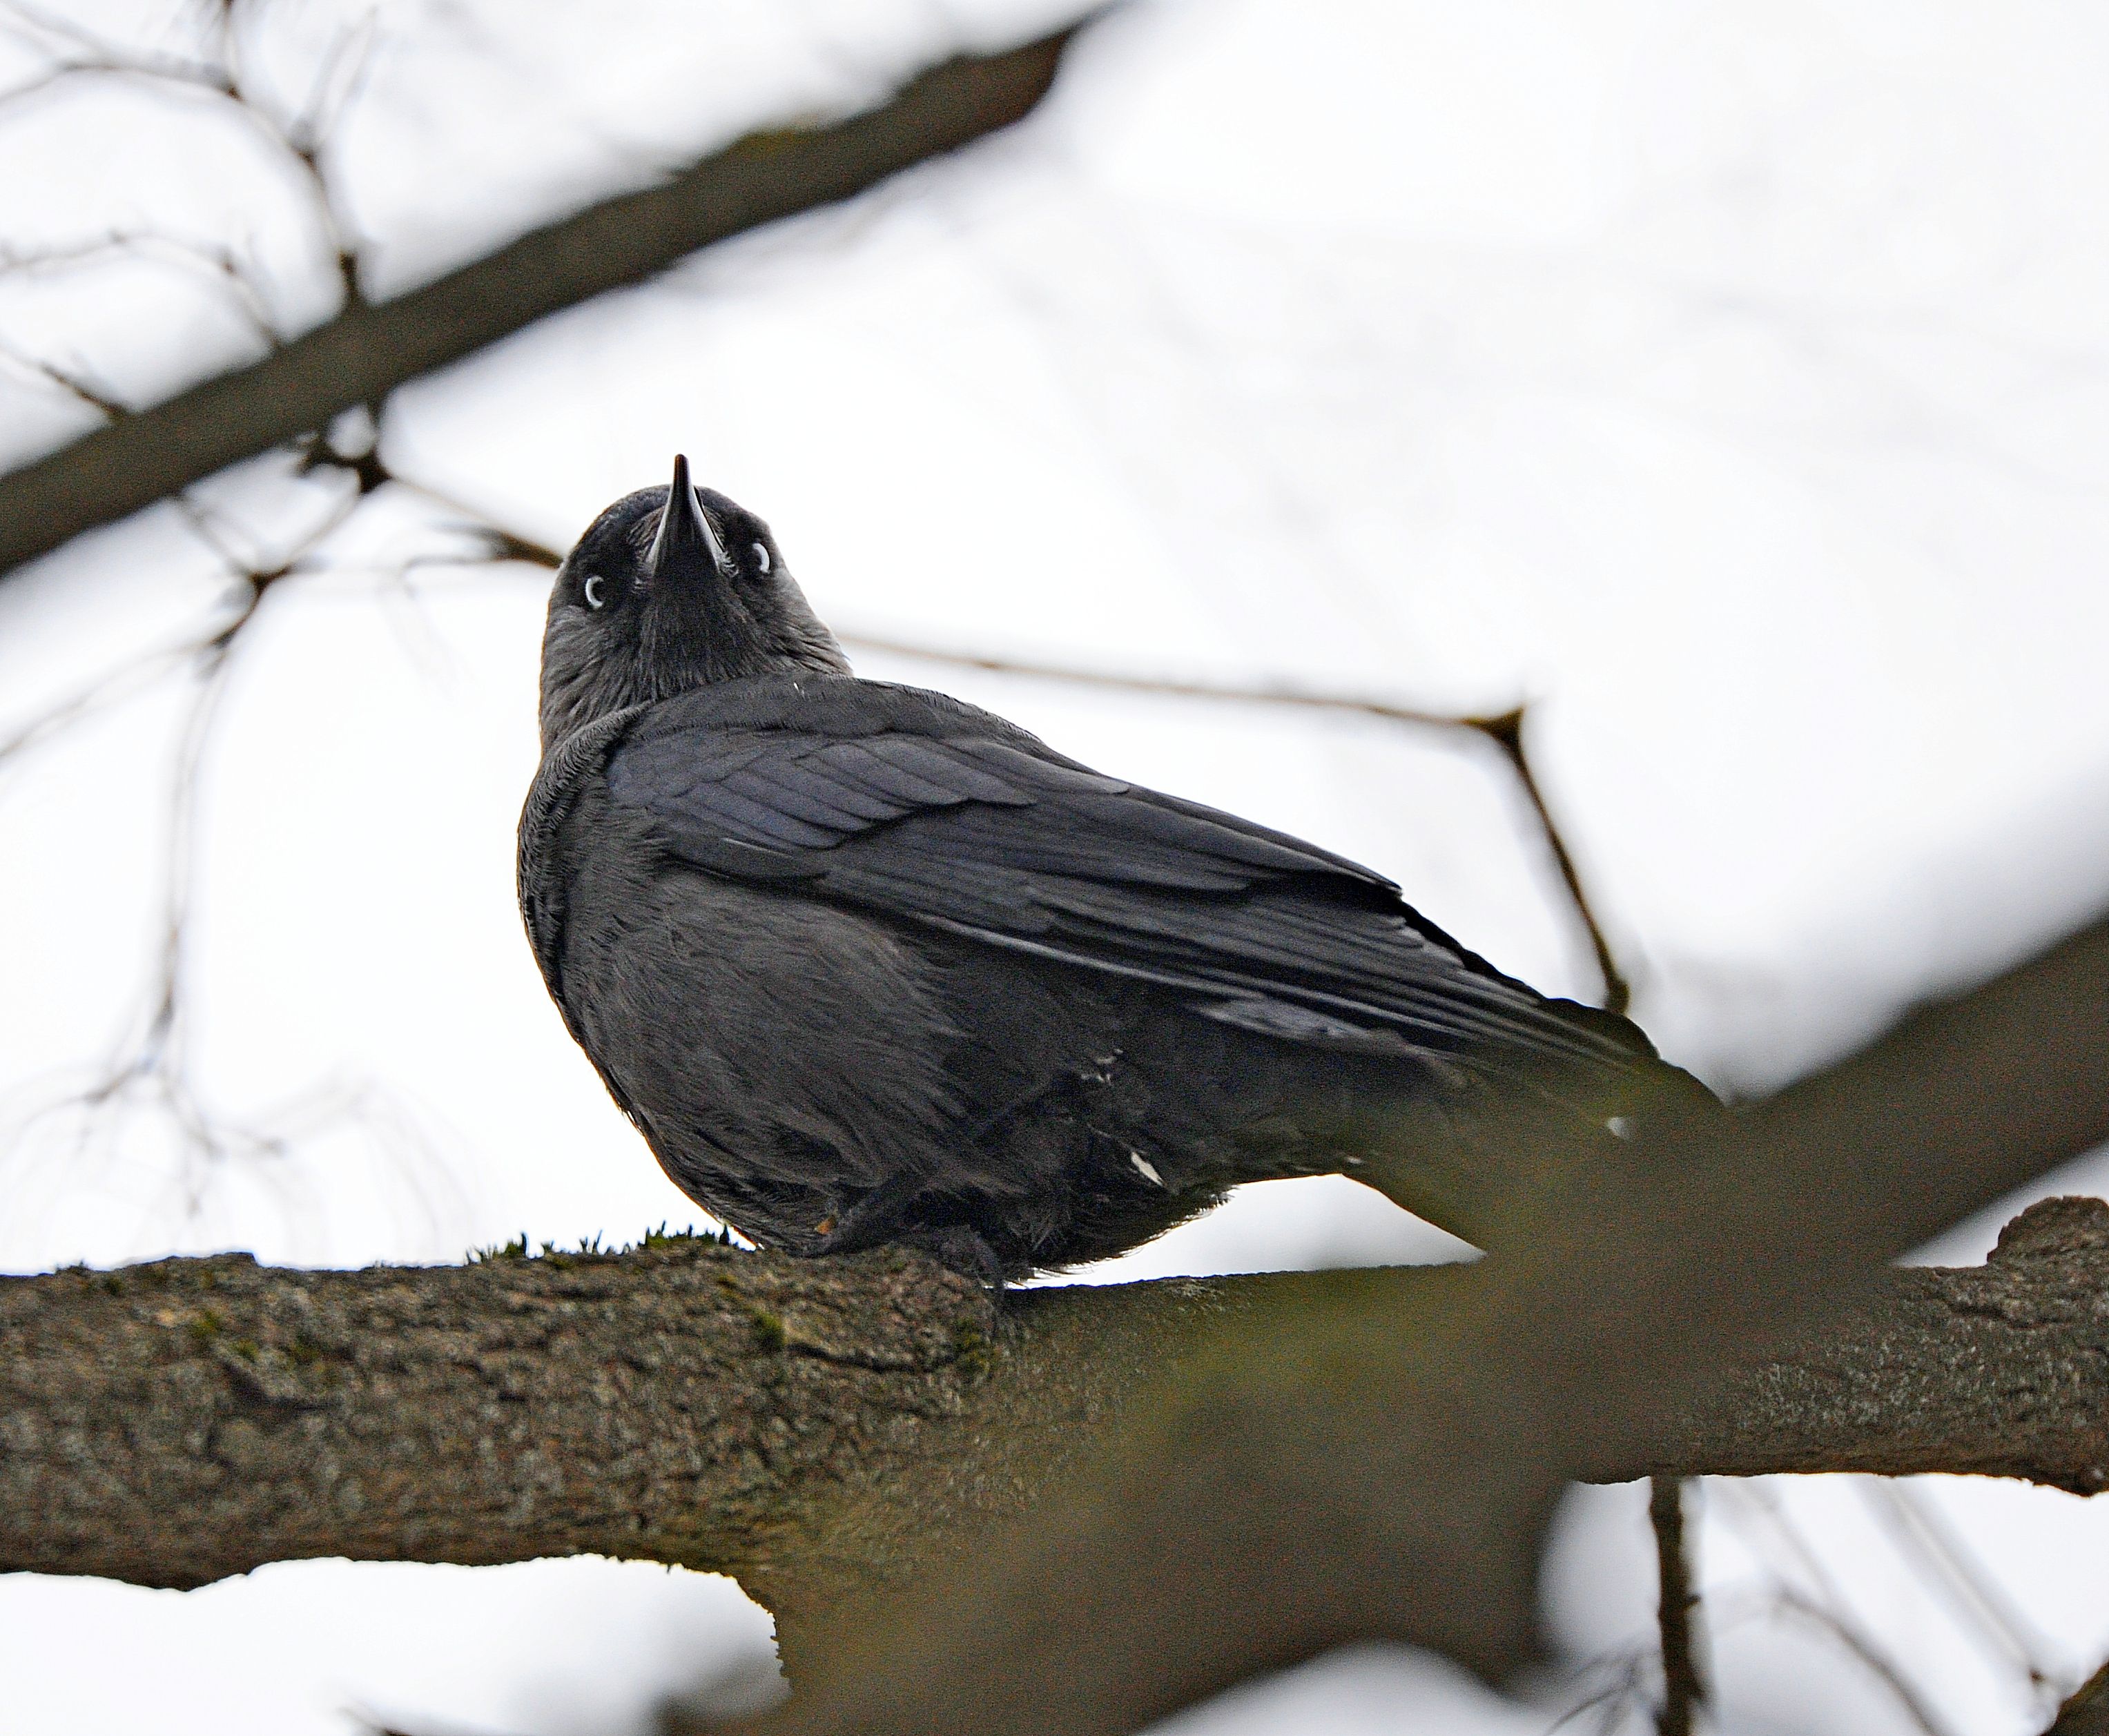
(865, 963)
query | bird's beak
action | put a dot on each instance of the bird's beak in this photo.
(684, 535)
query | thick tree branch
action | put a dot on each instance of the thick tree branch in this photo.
(1105, 1504)
(1330, 1478)
(370, 348)
(812, 1427)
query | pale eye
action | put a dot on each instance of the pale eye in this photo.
(761, 557)
(595, 591)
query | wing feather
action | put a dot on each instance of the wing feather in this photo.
(926, 812)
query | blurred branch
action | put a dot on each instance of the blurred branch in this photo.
(149, 1069)
(1870, 1657)
(73, 52)
(1683, 1691)
(1505, 733)
(1801, 1586)
(2086, 1712)
(1942, 1559)
(370, 348)
(1326, 1473)
(222, 266)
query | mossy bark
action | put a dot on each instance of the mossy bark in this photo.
(819, 1428)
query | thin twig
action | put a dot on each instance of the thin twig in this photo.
(1609, 1702)
(1826, 1606)
(299, 145)
(367, 349)
(74, 381)
(150, 1067)
(105, 690)
(1505, 733)
(1870, 1656)
(220, 264)
(1922, 1533)
(1683, 1688)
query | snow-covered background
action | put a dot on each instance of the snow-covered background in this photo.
(1730, 383)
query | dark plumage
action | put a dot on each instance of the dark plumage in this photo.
(866, 964)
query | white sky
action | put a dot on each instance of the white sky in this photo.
(1729, 382)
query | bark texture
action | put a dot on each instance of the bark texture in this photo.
(1999, 1370)
(1103, 1506)
(814, 1427)
(172, 1423)
(1339, 1476)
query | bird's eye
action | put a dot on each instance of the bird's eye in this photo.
(762, 555)
(594, 591)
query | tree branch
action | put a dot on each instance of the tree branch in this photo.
(1106, 1505)
(369, 349)
(1683, 1688)
(1319, 1476)
(811, 1426)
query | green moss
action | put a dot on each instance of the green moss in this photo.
(516, 1249)
(769, 1331)
(971, 1347)
(205, 1325)
(768, 141)
(663, 1237)
(246, 1349)
(593, 1247)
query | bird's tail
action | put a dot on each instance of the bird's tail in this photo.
(1484, 1152)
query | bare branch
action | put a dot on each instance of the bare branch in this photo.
(222, 266)
(73, 50)
(1505, 733)
(74, 382)
(1867, 1654)
(1683, 1690)
(1923, 1534)
(369, 348)
(2086, 1712)
(298, 144)
(1335, 1473)
(815, 1426)
(149, 1071)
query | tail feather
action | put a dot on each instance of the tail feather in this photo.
(1483, 1153)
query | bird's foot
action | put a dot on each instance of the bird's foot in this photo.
(879, 1216)
(961, 1249)
(882, 1216)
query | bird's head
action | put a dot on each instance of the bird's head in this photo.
(670, 588)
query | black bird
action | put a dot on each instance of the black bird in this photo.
(868, 964)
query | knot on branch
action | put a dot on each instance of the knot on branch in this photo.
(2050, 1229)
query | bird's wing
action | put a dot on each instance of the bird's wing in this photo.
(936, 815)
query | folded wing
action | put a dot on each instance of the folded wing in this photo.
(917, 809)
